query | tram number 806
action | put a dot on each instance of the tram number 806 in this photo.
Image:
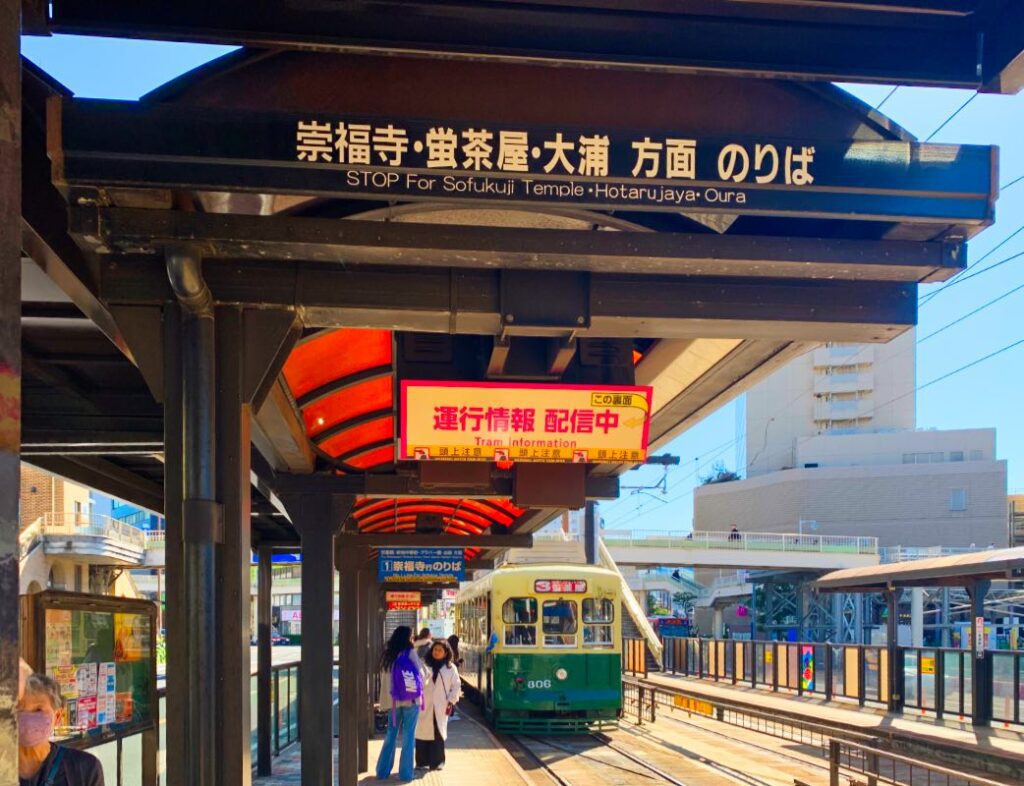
(543, 684)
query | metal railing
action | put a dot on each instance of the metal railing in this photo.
(95, 524)
(932, 680)
(876, 766)
(156, 537)
(890, 554)
(741, 541)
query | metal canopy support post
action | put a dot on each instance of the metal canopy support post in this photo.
(981, 670)
(264, 660)
(234, 753)
(352, 687)
(317, 518)
(895, 656)
(10, 376)
(590, 533)
(175, 612)
(201, 531)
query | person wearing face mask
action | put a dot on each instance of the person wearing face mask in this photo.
(40, 762)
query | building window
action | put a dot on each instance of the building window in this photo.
(958, 499)
(908, 458)
(956, 455)
(976, 455)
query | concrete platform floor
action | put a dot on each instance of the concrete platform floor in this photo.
(472, 756)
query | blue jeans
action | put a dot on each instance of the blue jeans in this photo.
(400, 720)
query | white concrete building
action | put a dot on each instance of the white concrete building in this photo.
(838, 388)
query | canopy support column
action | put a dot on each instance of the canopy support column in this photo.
(981, 672)
(264, 661)
(351, 690)
(590, 532)
(10, 376)
(895, 656)
(318, 518)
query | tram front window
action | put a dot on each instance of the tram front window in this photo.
(559, 622)
(598, 615)
(520, 618)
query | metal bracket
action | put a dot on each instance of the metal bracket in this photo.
(203, 521)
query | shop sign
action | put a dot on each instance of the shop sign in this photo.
(559, 586)
(429, 566)
(483, 421)
(927, 664)
(403, 601)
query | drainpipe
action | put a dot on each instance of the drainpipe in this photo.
(201, 517)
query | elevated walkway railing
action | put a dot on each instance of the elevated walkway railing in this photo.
(933, 680)
(86, 525)
(741, 541)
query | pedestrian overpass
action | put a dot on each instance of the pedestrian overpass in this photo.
(752, 550)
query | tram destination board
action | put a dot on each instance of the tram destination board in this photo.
(480, 421)
(106, 143)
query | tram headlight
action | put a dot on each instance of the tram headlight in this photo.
(562, 674)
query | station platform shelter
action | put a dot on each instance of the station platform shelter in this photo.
(246, 267)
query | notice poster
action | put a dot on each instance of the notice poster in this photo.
(807, 668)
(86, 678)
(101, 652)
(87, 713)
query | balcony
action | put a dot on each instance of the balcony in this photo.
(90, 538)
(843, 409)
(843, 355)
(850, 382)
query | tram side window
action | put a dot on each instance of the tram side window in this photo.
(598, 615)
(520, 618)
(559, 623)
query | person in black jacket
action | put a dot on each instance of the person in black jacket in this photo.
(40, 762)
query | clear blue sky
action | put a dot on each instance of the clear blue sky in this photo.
(990, 394)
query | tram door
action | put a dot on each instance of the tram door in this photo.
(488, 660)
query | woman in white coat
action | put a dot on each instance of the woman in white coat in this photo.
(441, 690)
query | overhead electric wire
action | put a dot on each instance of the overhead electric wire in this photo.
(949, 119)
(970, 314)
(972, 271)
(1013, 182)
(888, 95)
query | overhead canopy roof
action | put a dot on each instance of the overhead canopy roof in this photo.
(957, 570)
(698, 304)
(951, 43)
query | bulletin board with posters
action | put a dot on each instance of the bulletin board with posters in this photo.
(102, 653)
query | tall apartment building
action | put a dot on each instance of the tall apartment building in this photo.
(831, 441)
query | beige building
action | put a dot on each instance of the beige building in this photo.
(837, 388)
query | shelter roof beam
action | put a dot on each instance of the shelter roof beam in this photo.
(126, 230)
(469, 302)
(925, 42)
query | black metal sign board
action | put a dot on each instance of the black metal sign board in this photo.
(114, 143)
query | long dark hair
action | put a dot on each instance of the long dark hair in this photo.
(400, 641)
(432, 661)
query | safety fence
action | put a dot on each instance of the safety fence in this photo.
(634, 656)
(850, 762)
(934, 680)
(740, 541)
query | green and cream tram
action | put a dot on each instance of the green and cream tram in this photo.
(543, 646)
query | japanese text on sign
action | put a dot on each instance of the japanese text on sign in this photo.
(555, 152)
(544, 586)
(421, 565)
(523, 422)
(403, 601)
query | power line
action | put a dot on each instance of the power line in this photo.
(973, 270)
(1013, 182)
(888, 95)
(949, 119)
(970, 314)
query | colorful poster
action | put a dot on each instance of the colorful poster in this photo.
(124, 706)
(87, 713)
(497, 421)
(71, 713)
(426, 566)
(86, 679)
(807, 668)
(131, 637)
(58, 637)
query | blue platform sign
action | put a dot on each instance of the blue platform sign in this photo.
(422, 566)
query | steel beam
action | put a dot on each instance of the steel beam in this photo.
(465, 301)
(125, 230)
(96, 472)
(10, 378)
(903, 41)
(409, 485)
(347, 540)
